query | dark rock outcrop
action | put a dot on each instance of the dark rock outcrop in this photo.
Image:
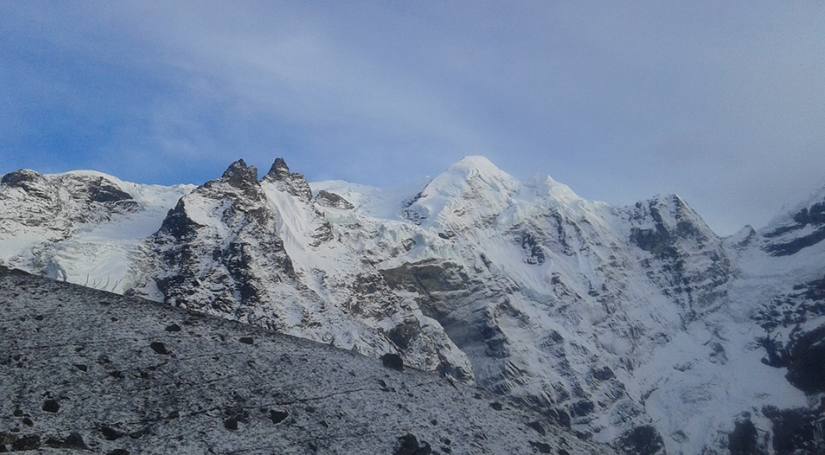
(329, 199)
(783, 239)
(805, 360)
(797, 431)
(292, 182)
(25, 179)
(241, 175)
(743, 440)
(643, 440)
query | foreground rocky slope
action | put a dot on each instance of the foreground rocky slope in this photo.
(87, 370)
(636, 325)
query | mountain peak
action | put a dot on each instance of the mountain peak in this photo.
(472, 178)
(279, 169)
(239, 174)
(476, 164)
(20, 177)
(473, 167)
(292, 182)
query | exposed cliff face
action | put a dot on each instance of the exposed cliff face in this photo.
(219, 251)
(634, 325)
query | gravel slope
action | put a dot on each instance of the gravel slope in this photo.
(85, 369)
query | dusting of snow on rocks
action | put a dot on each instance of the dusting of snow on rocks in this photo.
(85, 371)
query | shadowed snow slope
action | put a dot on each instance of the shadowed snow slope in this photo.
(84, 369)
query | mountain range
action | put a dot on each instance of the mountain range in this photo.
(635, 326)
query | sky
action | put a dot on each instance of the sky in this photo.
(720, 102)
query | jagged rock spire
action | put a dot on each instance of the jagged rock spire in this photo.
(292, 182)
(241, 175)
(279, 170)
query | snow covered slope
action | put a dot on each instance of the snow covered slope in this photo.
(88, 371)
(637, 326)
(81, 226)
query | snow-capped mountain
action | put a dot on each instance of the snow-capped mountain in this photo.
(81, 226)
(637, 326)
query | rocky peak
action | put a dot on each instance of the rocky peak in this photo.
(20, 177)
(669, 216)
(241, 175)
(293, 183)
(802, 227)
(471, 191)
(27, 180)
(687, 259)
(279, 170)
(741, 238)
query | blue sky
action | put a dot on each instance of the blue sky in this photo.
(721, 102)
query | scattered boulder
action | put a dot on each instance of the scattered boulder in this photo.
(231, 423)
(51, 406)
(28, 442)
(278, 416)
(234, 415)
(159, 348)
(393, 361)
(110, 434)
(409, 445)
(246, 340)
(73, 441)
